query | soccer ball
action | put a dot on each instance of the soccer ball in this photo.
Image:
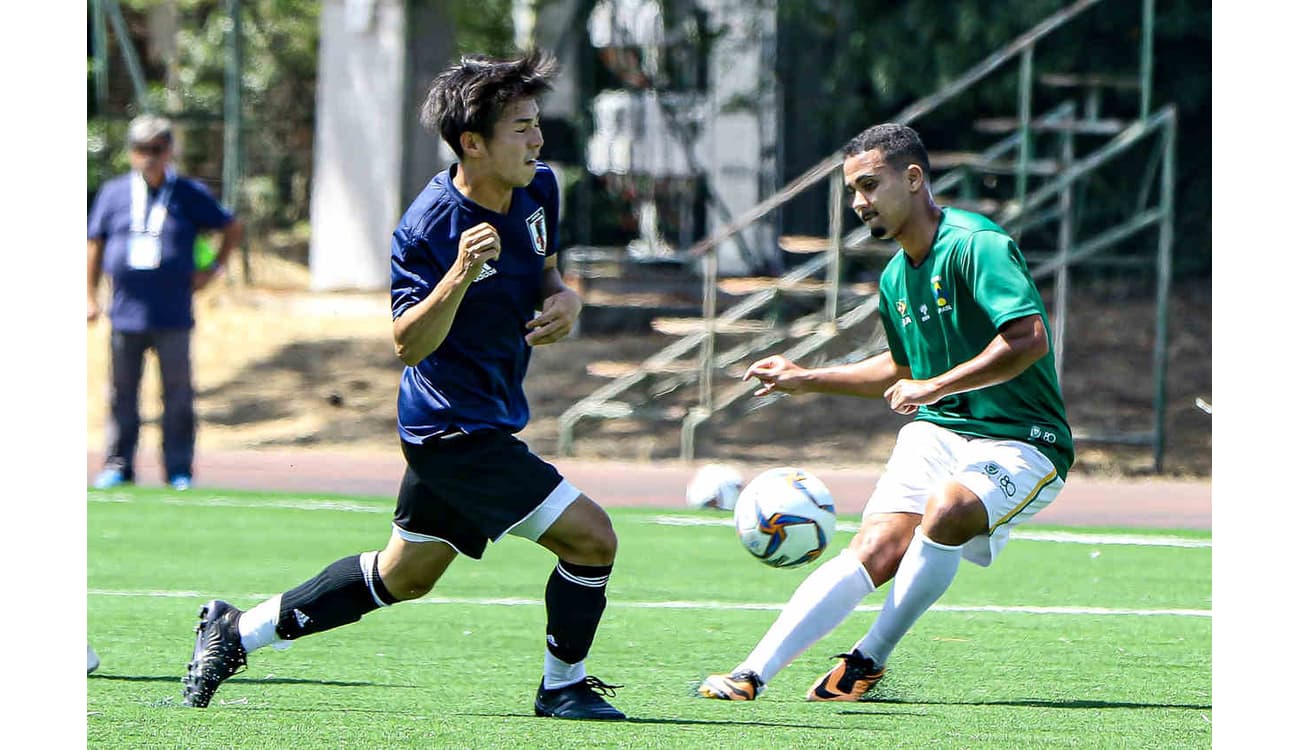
(714, 486)
(785, 517)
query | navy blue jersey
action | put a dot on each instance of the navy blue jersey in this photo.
(159, 297)
(475, 378)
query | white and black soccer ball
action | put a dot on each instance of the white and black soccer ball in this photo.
(714, 486)
(785, 517)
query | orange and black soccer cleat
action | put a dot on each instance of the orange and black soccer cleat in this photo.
(741, 685)
(848, 681)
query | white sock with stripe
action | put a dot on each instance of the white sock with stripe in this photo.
(820, 603)
(925, 572)
(257, 626)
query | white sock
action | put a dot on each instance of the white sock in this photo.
(820, 603)
(925, 572)
(257, 626)
(556, 673)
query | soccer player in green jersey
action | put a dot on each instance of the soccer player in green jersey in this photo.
(970, 356)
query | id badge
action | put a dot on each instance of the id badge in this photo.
(144, 252)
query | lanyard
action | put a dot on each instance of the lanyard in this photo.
(157, 213)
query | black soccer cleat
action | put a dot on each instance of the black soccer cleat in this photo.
(578, 701)
(218, 653)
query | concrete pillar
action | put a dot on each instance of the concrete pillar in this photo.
(357, 168)
(744, 117)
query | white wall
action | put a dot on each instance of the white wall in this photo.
(357, 171)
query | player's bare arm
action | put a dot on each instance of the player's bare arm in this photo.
(94, 270)
(868, 378)
(423, 327)
(559, 311)
(1019, 344)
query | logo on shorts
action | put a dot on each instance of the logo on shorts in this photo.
(1003, 478)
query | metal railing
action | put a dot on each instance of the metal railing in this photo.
(1017, 216)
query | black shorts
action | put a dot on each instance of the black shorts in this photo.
(467, 488)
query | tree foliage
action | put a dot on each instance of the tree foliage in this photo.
(841, 66)
(848, 65)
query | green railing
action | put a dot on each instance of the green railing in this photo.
(1027, 210)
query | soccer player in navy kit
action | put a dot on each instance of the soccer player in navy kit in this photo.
(474, 287)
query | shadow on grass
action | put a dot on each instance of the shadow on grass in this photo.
(247, 681)
(694, 722)
(1070, 704)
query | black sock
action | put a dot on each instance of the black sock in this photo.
(340, 594)
(575, 600)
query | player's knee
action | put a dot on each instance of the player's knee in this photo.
(411, 580)
(405, 589)
(597, 545)
(879, 551)
(602, 544)
(953, 518)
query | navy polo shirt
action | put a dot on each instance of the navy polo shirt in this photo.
(474, 379)
(158, 297)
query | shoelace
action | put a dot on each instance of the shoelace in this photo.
(855, 667)
(596, 685)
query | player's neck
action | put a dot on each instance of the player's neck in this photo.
(154, 179)
(482, 189)
(917, 238)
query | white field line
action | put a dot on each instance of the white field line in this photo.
(1066, 537)
(217, 501)
(517, 602)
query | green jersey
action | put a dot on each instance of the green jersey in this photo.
(946, 311)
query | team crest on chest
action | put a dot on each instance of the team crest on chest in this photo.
(901, 307)
(940, 294)
(537, 230)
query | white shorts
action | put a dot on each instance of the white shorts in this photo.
(1013, 480)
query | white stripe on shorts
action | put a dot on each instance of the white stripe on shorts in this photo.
(533, 525)
(412, 536)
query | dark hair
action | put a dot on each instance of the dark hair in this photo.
(470, 95)
(899, 146)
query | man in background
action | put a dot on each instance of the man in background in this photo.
(142, 232)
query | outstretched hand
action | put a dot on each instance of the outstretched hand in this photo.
(775, 373)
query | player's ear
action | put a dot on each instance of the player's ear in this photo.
(915, 177)
(471, 143)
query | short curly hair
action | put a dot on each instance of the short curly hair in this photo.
(899, 146)
(470, 95)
